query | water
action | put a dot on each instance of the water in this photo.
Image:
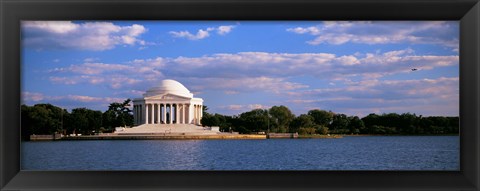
(348, 153)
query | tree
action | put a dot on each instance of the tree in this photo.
(118, 115)
(79, 121)
(280, 117)
(84, 121)
(42, 119)
(322, 130)
(223, 121)
(49, 119)
(204, 109)
(302, 121)
(407, 123)
(356, 125)
(109, 120)
(95, 120)
(339, 122)
(209, 120)
(321, 117)
(255, 120)
(370, 120)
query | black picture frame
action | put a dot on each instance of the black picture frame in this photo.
(13, 11)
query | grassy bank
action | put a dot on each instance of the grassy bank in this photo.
(320, 136)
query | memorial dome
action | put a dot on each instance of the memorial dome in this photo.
(169, 87)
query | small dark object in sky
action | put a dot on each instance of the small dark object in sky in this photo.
(414, 69)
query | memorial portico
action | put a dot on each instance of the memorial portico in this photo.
(168, 103)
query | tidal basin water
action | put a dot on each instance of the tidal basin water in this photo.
(348, 153)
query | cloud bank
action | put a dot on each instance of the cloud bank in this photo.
(382, 32)
(354, 81)
(202, 33)
(94, 36)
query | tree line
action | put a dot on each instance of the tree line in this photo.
(279, 119)
(48, 119)
(44, 119)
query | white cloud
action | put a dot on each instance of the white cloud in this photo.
(235, 107)
(257, 106)
(222, 30)
(246, 84)
(35, 97)
(319, 65)
(115, 76)
(382, 32)
(202, 33)
(32, 96)
(63, 80)
(58, 27)
(248, 71)
(238, 108)
(81, 98)
(96, 36)
(428, 96)
(231, 92)
(301, 30)
(90, 59)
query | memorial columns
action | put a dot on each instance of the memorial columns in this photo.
(146, 114)
(195, 111)
(201, 114)
(171, 112)
(164, 113)
(194, 116)
(184, 113)
(176, 114)
(158, 114)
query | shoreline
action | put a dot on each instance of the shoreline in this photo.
(186, 136)
(166, 137)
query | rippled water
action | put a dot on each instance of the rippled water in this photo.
(348, 153)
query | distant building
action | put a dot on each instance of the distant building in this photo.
(168, 103)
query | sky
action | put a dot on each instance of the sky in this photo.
(355, 68)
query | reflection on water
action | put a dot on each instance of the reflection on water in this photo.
(349, 153)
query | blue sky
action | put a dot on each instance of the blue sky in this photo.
(354, 68)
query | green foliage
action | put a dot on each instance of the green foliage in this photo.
(118, 115)
(41, 119)
(321, 117)
(340, 121)
(356, 125)
(204, 109)
(85, 121)
(409, 124)
(306, 131)
(49, 119)
(210, 120)
(256, 120)
(322, 130)
(302, 121)
(280, 117)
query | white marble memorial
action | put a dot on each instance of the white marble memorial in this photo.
(166, 104)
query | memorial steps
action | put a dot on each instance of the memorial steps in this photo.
(185, 129)
(166, 132)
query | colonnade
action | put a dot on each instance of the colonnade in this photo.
(167, 113)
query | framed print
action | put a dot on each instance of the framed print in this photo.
(251, 95)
